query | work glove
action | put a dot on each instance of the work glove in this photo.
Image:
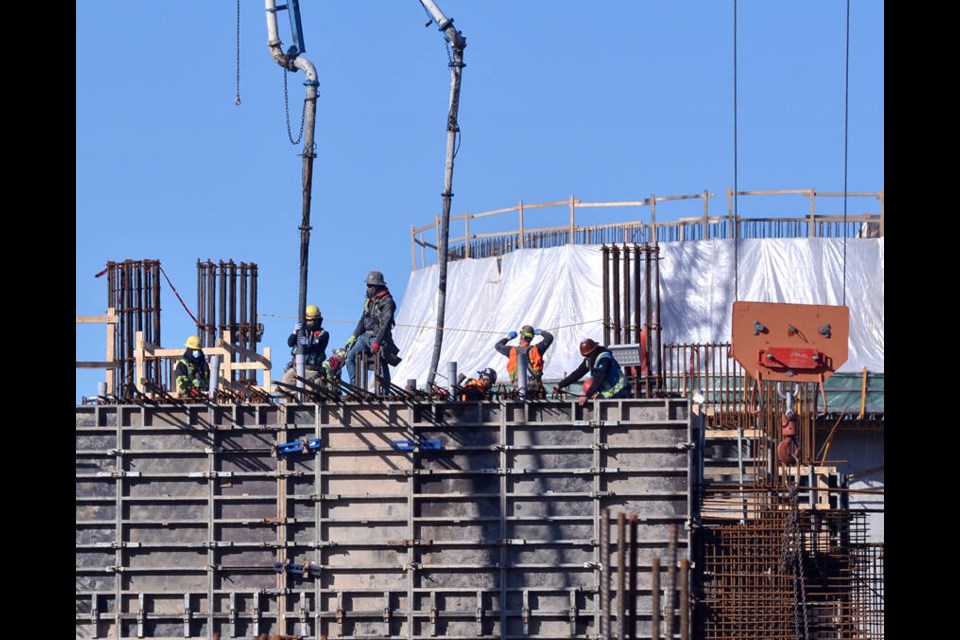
(375, 347)
(297, 327)
(536, 332)
(511, 335)
(350, 341)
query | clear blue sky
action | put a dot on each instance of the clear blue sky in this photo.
(606, 101)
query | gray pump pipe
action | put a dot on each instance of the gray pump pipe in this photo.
(457, 43)
(293, 61)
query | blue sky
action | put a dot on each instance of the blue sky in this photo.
(606, 101)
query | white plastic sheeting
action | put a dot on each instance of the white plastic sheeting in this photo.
(560, 289)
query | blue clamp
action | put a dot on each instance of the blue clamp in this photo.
(290, 447)
(403, 445)
(431, 444)
(298, 446)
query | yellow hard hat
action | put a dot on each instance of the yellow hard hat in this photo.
(313, 311)
(193, 342)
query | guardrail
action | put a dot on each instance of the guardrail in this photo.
(145, 354)
(641, 225)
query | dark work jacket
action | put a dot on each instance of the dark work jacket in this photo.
(315, 351)
(609, 381)
(192, 372)
(377, 320)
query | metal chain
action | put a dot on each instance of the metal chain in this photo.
(237, 100)
(446, 43)
(798, 576)
(791, 561)
(286, 110)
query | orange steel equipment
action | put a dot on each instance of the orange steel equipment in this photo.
(797, 343)
(789, 342)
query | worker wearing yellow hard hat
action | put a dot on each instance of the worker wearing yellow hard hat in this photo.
(314, 338)
(192, 372)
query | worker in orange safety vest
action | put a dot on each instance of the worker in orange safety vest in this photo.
(534, 353)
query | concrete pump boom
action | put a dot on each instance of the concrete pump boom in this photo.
(457, 43)
(292, 60)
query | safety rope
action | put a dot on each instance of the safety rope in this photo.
(434, 327)
(192, 317)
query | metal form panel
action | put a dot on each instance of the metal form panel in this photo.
(480, 520)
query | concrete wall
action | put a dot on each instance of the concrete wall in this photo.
(383, 519)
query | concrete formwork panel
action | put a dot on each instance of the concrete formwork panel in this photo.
(479, 519)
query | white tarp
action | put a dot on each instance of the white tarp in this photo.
(560, 289)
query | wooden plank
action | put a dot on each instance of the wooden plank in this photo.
(97, 365)
(236, 350)
(266, 375)
(97, 319)
(174, 353)
(111, 351)
(731, 434)
(138, 354)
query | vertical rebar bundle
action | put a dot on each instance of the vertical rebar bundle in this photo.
(630, 305)
(221, 308)
(133, 290)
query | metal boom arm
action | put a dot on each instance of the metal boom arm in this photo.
(457, 43)
(292, 60)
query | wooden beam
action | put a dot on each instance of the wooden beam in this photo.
(244, 353)
(111, 351)
(97, 319)
(97, 365)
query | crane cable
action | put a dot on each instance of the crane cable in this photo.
(736, 211)
(846, 111)
(237, 99)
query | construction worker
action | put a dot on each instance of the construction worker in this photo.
(192, 371)
(330, 374)
(534, 354)
(314, 339)
(607, 379)
(374, 331)
(479, 388)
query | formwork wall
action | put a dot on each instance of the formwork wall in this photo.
(384, 519)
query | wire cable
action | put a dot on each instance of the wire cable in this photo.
(846, 112)
(736, 210)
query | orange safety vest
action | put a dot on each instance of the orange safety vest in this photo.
(533, 357)
(473, 389)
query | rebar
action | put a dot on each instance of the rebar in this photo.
(751, 590)
(222, 311)
(133, 292)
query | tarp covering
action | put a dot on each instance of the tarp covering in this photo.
(560, 289)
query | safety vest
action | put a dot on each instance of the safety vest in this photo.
(473, 389)
(616, 380)
(197, 378)
(533, 357)
(330, 377)
(312, 357)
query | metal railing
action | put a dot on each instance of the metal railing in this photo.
(640, 224)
